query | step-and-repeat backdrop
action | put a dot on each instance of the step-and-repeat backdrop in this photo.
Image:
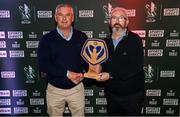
(24, 22)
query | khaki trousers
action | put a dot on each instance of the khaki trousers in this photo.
(57, 98)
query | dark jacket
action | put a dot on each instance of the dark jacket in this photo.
(125, 64)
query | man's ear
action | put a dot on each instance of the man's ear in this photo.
(55, 17)
(73, 18)
(127, 22)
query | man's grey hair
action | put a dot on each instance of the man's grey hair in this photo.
(64, 5)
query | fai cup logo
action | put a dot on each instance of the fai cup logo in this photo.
(151, 12)
(25, 14)
(107, 10)
(149, 73)
(30, 74)
(94, 52)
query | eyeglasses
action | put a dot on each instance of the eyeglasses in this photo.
(120, 18)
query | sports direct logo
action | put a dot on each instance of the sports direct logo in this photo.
(86, 13)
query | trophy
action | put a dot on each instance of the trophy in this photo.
(94, 52)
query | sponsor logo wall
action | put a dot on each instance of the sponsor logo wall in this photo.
(23, 23)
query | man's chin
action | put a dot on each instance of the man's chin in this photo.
(117, 29)
(65, 27)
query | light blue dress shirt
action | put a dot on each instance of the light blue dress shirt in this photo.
(61, 33)
(116, 41)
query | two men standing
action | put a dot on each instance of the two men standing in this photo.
(59, 57)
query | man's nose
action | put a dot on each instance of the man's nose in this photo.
(64, 18)
(117, 20)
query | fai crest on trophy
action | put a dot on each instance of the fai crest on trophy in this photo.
(94, 52)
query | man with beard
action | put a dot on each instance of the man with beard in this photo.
(123, 71)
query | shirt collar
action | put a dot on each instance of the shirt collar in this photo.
(116, 41)
(62, 35)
